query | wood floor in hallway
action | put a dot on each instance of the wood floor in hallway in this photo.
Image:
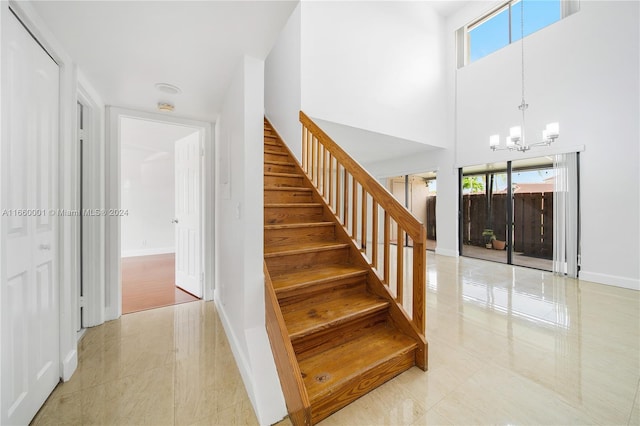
(148, 282)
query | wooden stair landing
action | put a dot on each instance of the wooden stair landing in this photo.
(343, 335)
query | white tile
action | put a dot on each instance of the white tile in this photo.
(506, 345)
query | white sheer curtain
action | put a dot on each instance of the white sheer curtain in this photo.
(565, 215)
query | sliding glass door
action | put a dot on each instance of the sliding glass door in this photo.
(533, 186)
(507, 212)
(484, 206)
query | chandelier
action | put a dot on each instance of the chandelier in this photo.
(516, 141)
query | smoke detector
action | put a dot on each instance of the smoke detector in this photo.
(165, 107)
(168, 88)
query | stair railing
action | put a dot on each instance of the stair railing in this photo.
(383, 229)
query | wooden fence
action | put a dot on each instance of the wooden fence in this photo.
(474, 213)
(533, 224)
(532, 221)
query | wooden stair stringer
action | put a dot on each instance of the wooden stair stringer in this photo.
(293, 387)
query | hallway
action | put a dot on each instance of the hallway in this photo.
(506, 345)
(165, 366)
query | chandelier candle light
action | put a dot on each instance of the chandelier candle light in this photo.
(515, 141)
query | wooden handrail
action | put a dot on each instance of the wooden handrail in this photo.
(398, 212)
(293, 388)
(322, 155)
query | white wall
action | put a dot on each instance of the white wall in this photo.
(585, 78)
(148, 185)
(282, 79)
(378, 66)
(239, 245)
(374, 76)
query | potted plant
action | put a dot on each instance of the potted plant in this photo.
(498, 244)
(488, 236)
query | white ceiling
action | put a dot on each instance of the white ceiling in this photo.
(125, 47)
(449, 7)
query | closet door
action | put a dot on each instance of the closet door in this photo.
(29, 300)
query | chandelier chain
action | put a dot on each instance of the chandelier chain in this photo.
(522, 44)
(523, 105)
(516, 140)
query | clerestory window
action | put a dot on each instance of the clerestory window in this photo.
(503, 26)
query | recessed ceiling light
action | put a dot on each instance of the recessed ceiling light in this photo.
(165, 107)
(168, 88)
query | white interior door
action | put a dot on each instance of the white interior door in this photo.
(187, 217)
(30, 366)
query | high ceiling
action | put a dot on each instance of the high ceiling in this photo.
(125, 47)
(449, 7)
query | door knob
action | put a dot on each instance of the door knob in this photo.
(174, 221)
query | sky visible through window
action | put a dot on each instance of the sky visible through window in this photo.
(517, 177)
(493, 34)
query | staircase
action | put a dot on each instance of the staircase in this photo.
(345, 334)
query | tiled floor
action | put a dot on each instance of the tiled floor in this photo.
(501, 256)
(510, 345)
(507, 345)
(165, 366)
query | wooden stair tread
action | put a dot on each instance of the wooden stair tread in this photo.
(328, 371)
(275, 152)
(278, 174)
(300, 248)
(287, 188)
(298, 225)
(279, 163)
(317, 275)
(290, 205)
(329, 309)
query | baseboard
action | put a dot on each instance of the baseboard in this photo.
(612, 280)
(241, 360)
(69, 365)
(446, 252)
(268, 391)
(268, 412)
(148, 252)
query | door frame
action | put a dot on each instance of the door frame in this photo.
(93, 197)
(113, 302)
